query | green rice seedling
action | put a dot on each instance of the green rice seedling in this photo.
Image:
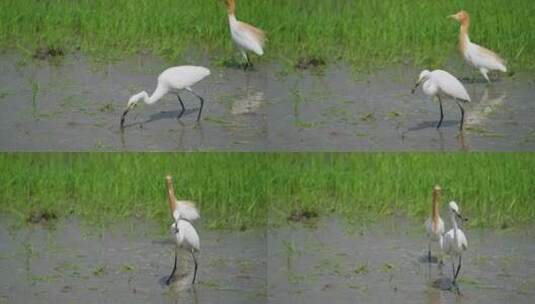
(367, 34)
(236, 190)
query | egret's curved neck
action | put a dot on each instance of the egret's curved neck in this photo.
(231, 7)
(232, 19)
(435, 212)
(156, 95)
(171, 196)
(463, 35)
(454, 223)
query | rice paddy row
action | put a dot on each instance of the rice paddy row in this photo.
(243, 190)
(367, 34)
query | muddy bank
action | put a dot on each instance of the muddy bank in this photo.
(73, 105)
(382, 263)
(128, 263)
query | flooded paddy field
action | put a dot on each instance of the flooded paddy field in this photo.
(70, 104)
(384, 263)
(295, 263)
(128, 263)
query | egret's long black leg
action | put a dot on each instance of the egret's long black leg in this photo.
(429, 252)
(202, 103)
(441, 112)
(249, 63)
(182, 105)
(245, 63)
(458, 269)
(455, 277)
(174, 269)
(195, 269)
(462, 114)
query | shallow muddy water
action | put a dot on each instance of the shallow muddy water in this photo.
(128, 264)
(383, 263)
(73, 105)
(377, 263)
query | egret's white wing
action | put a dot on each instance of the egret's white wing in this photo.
(449, 242)
(248, 37)
(485, 58)
(461, 238)
(181, 77)
(189, 234)
(450, 85)
(186, 210)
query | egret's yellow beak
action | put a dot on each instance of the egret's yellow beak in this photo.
(453, 17)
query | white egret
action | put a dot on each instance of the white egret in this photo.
(434, 225)
(439, 82)
(185, 235)
(454, 240)
(171, 81)
(481, 58)
(246, 37)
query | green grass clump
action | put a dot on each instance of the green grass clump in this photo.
(368, 34)
(239, 190)
(104, 187)
(493, 189)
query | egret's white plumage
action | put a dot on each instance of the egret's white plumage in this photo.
(171, 81)
(434, 225)
(439, 82)
(479, 57)
(186, 210)
(455, 242)
(185, 235)
(246, 37)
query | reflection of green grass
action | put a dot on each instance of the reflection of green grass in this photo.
(466, 280)
(45, 278)
(35, 91)
(127, 267)
(3, 94)
(387, 267)
(362, 269)
(229, 188)
(306, 124)
(233, 190)
(100, 270)
(364, 33)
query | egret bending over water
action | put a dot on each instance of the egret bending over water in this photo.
(246, 37)
(435, 225)
(439, 82)
(171, 81)
(454, 240)
(481, 58)
(185, 235)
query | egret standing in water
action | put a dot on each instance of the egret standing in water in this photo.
(185, 235)
(455, 240)
(479, 57)
(434, 225)
(171, 81)
(246, 37)
(439, 82)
